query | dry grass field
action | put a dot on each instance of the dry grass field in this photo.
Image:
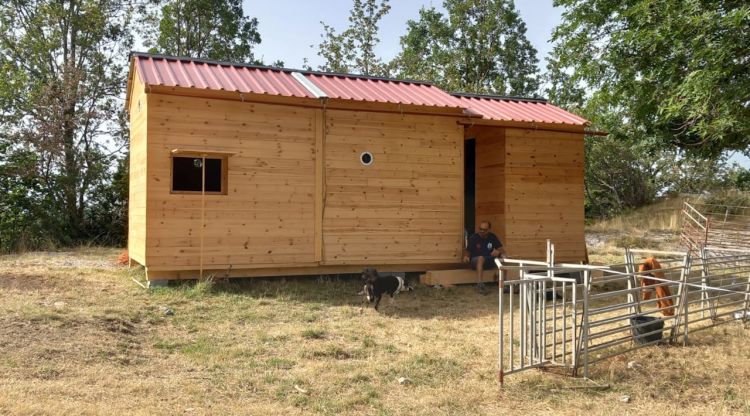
(78, 336)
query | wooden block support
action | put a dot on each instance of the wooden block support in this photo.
(455, 277)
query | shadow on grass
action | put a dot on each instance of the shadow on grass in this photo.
(342, 290)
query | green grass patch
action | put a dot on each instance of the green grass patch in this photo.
(425, 369)
(168, 346)
(313, 333)
(280, 363)
(332, 351)
(200, 348)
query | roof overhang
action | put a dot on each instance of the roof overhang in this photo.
(327, 103)
(471, 121)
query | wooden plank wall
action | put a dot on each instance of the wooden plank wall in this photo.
(490, 178)
(544, 193)
(267, 217)
(137, 189)
(407, 206)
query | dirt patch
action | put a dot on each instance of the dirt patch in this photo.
(60, 259)
(117, 325)
(16, 282)
(69, 338)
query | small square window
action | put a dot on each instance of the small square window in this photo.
(187, 174)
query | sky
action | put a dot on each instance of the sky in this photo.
(290, 30)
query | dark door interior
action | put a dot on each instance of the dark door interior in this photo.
(469, 184)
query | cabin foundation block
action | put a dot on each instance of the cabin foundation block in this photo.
(158, 283)
(455, 277)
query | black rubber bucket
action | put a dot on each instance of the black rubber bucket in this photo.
(646, 328)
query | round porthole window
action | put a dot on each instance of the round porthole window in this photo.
(366, 158)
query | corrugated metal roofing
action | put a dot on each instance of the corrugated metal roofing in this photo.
(194, 73)
(225, 76)
(382, 90)
(518, 109)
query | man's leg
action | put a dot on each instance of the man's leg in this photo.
(480, 270)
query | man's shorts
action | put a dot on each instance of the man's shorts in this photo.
(489, 262)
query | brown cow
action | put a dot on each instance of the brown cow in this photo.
(663, 294)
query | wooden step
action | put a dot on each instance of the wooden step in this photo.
(455, 277)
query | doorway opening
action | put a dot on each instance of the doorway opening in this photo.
(469, 185)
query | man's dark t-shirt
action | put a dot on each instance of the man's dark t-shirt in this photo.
(479, 246)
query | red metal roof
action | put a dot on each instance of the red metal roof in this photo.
(192, 73)
(213, 75)
(203, 74)
(382, 90)
(518, 109)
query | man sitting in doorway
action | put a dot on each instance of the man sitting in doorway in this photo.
(481, 250)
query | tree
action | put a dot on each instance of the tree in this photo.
(353, 50)
(479, 47)
(681, 174)
(621, 175)
(427, 51)
(668, 73)
(20, 219)
(212, 29)
(616, 177)
(64, 71)
(107, 214)
(738, 178)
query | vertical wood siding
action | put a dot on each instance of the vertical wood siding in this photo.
(267, 217)
(544, 193)
(137, 190)
(407, 206)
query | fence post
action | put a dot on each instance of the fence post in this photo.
(565, 330)
(681, 317)
(532, 322)
(500, 357)
(705, 282)
(705, 234)
(576, 350)
(523, 303)
(634, 297)
(585, 334)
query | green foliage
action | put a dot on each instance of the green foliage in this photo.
(213, 29)
(667, 81)
(480, 46)
(620, 175)
(63, 72)
(353, 50)
(738, 178)
(667, 73)
(616, 177)
(678, 173)
(19, 213)
(107, 213)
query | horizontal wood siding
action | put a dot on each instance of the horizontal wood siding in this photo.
(490, 178)
(137, 189)
(407, 206)
(544, 194)
(266, 218)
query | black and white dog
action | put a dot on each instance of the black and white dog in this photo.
(376, 286)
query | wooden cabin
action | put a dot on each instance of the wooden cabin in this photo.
(242, 170)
